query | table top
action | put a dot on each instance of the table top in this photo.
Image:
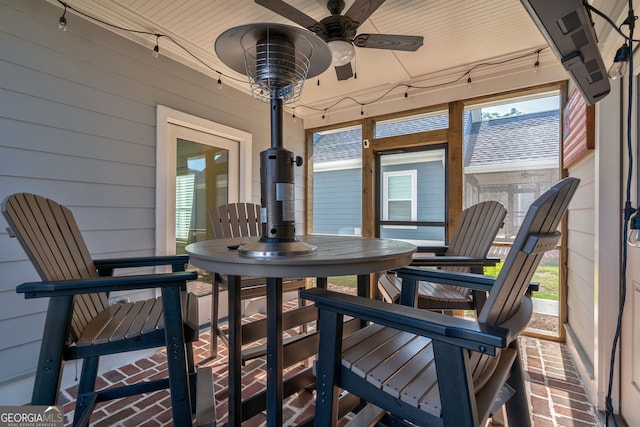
(335, 256)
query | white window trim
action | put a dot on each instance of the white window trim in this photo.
(413, 174)
(165, 168)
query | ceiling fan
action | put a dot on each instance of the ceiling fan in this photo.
(339, 31)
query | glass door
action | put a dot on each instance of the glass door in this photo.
(206, 176)
(202, 184)
(412, 197)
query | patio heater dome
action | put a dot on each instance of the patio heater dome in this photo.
(276, 59)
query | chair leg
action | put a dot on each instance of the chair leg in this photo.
(517, 407)
(176, 356)
(328, 369)
(191, 370)
(86, 398)
(215, 301)
(49, 371)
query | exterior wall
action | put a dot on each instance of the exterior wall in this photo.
(594, 253)
(581, 268)
(336, 205)
(77, 124)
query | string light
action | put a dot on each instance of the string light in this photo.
(62, 22)
(536, 66)
(293, 114)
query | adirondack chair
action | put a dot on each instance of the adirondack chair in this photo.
(80, 323)
(243, 220)
(429, 368)
(473, 235)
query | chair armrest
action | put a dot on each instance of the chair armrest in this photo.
(438, 250)
(106, 266)
(453, 330)
(468, 280)
(454, 261)
(474, 281)
(104, 284)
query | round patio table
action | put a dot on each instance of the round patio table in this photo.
(335, 256)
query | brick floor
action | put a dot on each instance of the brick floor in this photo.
(556, 396)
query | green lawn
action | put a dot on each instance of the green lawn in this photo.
(548, 276)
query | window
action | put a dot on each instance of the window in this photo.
(399, 195)
(337, 181)
(512, 154)
(412, 124)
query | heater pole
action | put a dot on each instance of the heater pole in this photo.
(276, 123)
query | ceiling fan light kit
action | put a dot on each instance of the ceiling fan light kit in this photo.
(342, 52)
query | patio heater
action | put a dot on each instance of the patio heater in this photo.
(277, 59)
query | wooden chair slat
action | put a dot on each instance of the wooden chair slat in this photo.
(137, 326)
(430, 402)
(114, 322)
(126, 325)
(383, 372)
(408, 371)
(354, 346)
(95, 327)
(366, 364)
(155, 320)
(353, 355)
(421, 385)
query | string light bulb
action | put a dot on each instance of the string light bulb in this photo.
(324, 112)
(634, 231)
(62, 22)
(469, 81)
(536, 65)
(406, 92)
(620, 61)
(362, 109)
(219, 82)
(293, 115)
(156, 48)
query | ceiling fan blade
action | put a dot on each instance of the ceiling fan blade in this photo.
(344, 72)
(360, 10)
(389, 41)
(289, 12)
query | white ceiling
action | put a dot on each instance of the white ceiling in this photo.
(458, 35)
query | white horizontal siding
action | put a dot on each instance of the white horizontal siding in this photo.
(77, 124)
(581, 253)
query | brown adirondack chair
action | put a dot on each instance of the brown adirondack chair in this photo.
(473, 235)
(80, 323)
(243, 220)
(433, 369)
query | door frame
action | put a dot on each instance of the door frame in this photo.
(166, 165)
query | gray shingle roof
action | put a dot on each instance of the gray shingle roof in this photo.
(528, 137)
